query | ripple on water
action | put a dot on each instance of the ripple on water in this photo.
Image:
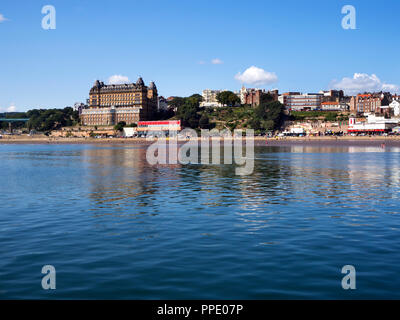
(116, 227)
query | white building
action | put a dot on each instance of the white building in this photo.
(299, 102)
(334, 106)
(373, 124)
(242, 95)
(395, 105)
(297, 130)
(210, 98)
(129, 132)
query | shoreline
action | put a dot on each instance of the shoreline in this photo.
(258, 141)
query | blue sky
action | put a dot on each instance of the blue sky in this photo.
(173, 43)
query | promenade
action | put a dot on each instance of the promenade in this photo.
(344, 140)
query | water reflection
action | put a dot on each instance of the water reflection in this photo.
(122, 176)
(335, 181)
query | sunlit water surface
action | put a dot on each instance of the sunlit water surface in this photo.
(115, 227)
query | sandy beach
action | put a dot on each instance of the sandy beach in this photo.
(258, 141)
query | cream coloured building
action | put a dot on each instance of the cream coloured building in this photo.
(110, 104)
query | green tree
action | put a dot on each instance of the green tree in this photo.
(195, 99)
(188, 114)
(204, 122)
(268, 115)
(188, 111)
(164, 114)
(50, 119)
(177, 102)
(228, 98)
(120, 126)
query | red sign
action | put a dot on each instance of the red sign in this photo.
(366, 130)
(159, 123)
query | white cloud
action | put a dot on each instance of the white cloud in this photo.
(256, 76)
(217, 61)
(118, 79)
(2, 18)
(390, 87)
(362, 82)
(11, 108)
(213, 61)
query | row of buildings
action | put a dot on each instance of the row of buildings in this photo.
(109, 104)
(246, 95)
(134, 102)
(381, 103)
(332, 100)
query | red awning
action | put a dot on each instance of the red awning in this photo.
(366, 130)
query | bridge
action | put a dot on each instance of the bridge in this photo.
(10, 121)
(13, 120)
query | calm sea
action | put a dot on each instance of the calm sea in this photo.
(115, 227)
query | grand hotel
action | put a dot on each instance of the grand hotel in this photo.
(110, 104)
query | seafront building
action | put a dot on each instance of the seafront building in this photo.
(365, 103)
(331, 100)
(164, 127)
(395, 106)
(371, 103)
(110, 104)
(295, 101)
(372, 124)
(137, 103)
